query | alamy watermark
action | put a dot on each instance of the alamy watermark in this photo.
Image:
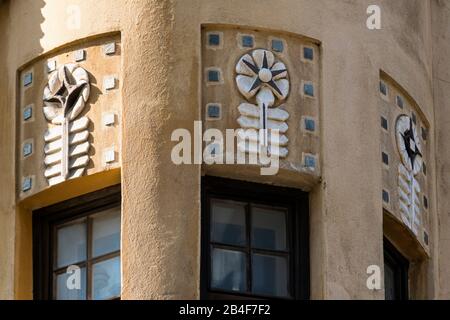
(374, 280)
(237, 146)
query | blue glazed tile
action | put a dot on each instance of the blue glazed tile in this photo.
(28, 79)
(385, 158)
(425, 202)
(384, 123)
(214, 111)
(27, 113)
(247, 41)
(399, 101)
(277, 45)
(27, 149)
(383, 88)
(310, 125)
(310, 162)
(214, 39)
(385, 196)
(424, 133)
(308, 89)
(308, 53)
(213, 76)
(27, 184)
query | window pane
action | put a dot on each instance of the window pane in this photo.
(389, 282)
(71, 244)
(106, 279)
(75, 289)
(269, 275)
(228, 270)
(106, 232)
(268, 229)
(228, 222)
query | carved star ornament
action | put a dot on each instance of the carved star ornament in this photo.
(408, 143)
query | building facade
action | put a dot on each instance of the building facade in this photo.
(204, 149)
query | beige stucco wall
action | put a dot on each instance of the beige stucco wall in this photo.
(161, 43)
(441, 88)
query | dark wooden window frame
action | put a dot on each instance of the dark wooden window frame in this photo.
(400, 265)
(297, 203)
(45, 222)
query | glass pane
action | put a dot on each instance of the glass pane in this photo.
(71, 286)
(106, 232)
(228, 270)
(71, 244)
(268, 229)
(270, 275)
(228, 222)
(106, 279)
(389, 282)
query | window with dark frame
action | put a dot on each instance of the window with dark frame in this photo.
(254, 241)
(395, 273)
(78, 238)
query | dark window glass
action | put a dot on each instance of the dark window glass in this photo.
(228, 270)
(79, 240)
(228, 222)
(270, 275)
(395, 273)
(253, 241)
(269, 229)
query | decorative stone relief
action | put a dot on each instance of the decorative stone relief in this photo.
(263, 80)
(253, 85)
(67, 117)
(66, 143)
(404, 160)
(409, 147)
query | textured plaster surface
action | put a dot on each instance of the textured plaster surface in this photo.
(441, 86)
(161, 43)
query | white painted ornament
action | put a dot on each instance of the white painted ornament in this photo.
(66, 142)
(264, 83)
(410, 149)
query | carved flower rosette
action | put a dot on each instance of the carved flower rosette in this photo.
(66, 141)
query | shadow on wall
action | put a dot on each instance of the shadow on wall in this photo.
(20, 22)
